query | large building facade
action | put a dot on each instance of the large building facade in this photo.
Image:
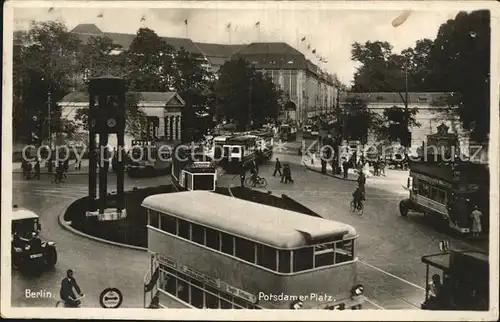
(310, 90)
(432, 112)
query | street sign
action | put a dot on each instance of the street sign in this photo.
(111, 298)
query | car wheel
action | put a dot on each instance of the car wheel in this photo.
(403, 208)
(51, 257)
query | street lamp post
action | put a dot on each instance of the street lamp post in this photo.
(49, 101)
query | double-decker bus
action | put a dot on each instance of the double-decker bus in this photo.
(192, 169)
(288, 132)
(215, 251)
(460, 280)
(149, 158)
(449, 191)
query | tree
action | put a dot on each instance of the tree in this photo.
(392, 126)
(357, 119)
(246, 96)
(192, 81)
(460, 63)
(99, 57)
(149, 62)
(45, 60)
(380, 69)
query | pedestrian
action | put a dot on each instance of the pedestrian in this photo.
(288, 174)
(242, 175)
(382, 166)
(277, 168)
(37, 169)
(255, 167)
(29, 169)
(284, 175)
(361, 183)
(375, 168)
(345, 166)
(476, 215)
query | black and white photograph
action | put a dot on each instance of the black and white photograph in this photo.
(257, 159)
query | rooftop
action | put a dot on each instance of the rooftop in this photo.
(269, 225)
(85, 31)
(429, 98)
(82, 97)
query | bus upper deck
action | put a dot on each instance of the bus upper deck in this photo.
(280, 228)
(253, 248)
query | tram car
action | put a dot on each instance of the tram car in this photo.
(149, 158)
(193, 170)
(448, 191)
(234, 151)
(265, 144)
(457, 280)
(288, 133)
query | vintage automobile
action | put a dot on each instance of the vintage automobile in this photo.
(29, 251)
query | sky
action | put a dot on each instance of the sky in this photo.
(330, 31)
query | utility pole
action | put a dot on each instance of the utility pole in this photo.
(406, 116)
(49, 101)
(250, 104)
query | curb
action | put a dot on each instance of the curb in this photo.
(327, 174)
(66, 226)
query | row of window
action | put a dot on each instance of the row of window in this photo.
(198, 294)
(279, 260)
(427, 190)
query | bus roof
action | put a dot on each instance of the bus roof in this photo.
(20, 214)
(269, 225)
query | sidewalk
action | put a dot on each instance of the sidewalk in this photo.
(392, 177)
(16, 168)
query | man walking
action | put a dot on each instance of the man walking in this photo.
(37, 169)
(476, 228)
(242, 175)
(361, 183)
(277, 168)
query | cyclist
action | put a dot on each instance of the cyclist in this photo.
(357, 196)
(66, 291)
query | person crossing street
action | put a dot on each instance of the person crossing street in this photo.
(277, 168)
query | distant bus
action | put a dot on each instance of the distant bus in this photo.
(288, 132)
(148, 158)
(233, 151)
(219, 252)
(193, 170)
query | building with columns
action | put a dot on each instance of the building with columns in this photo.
(432, 112)
(163, 112)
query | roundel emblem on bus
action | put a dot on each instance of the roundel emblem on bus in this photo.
(111, 122)
(34, 118)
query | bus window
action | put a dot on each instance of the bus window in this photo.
(168, 224)
(196, 296)
(441, 196)
(171, 284)
(266, 257)
(183, 290)
(184, 228)
(245, 249)
(284, 261)
(302, 259)
(226, 301)
(212, 238)
(344, 251)
(211, 298)
(153, 219)
(198, 234)
(240, 303)
(227, 244)
(324, 255)
(434, 193)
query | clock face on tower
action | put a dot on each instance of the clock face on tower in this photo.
(111, 122)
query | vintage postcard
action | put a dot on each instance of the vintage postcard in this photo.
(255, 160)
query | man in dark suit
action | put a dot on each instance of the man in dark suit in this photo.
(66, 291)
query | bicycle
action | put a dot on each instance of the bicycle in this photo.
(359, 207)
(61, 302)
(258, 182)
